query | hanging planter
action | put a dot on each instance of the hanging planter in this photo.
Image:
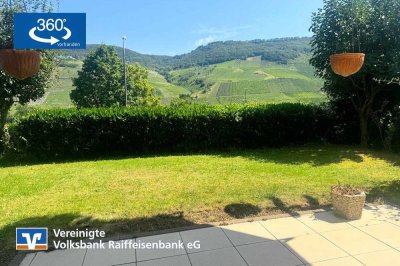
(20, 64)
(347, 64)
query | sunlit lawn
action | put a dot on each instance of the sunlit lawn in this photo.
(127, 194)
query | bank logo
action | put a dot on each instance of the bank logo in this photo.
(49, 31)
(31, 238)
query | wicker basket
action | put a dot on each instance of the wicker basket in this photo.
(348, 206)
(20, 64)
(347, 64)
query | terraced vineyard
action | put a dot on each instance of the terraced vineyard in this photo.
(165, 90)
(237, 81)
(252, 80)
(58, 94)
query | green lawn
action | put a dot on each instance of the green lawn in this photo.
(157, 192)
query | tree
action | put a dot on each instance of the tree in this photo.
(368, 26)
(140, 92)
(100, 82)
(21, 91)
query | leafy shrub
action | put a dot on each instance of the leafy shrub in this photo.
(182, 128)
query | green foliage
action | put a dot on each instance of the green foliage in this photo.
(275, 50)
(18, 6)
(140, 92)
(100, 82)
(30, 89)
(188, 127)
(368, 26)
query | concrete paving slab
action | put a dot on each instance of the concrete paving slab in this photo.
(369, 217)
(268, 253)
(313, 239)
(385, 232)
(324, 222)
(107, 257)
(27, 260)
(349, 261)
(247, 233)
(220, 257)
(286, 227)
(156, 253)
(355, 241)
(210, 238)
(313, 248)
(67, 257)
(170, 261)
(380, 258)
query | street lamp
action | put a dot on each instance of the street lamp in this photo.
(125, 85)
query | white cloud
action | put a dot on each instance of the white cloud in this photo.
(205, 41)
(217, 34)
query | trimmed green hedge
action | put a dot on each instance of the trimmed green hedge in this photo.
(186, 128)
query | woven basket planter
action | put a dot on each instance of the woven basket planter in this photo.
(347, 64)
(348, 206)
(20, 64)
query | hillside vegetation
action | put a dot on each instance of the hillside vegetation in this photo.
(58, 95)
(275, 50)
(267, 71)
(251, 80)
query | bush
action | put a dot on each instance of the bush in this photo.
(183, 128)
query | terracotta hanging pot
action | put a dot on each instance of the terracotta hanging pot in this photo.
(20, 64)
(347, 64)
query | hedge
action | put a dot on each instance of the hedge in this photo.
(186, 128)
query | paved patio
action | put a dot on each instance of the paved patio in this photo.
(308, 239)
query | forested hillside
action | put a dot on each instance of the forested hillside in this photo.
(276, 50)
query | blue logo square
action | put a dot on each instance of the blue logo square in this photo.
(31, 238)
(50, 31)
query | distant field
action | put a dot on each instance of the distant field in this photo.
(253, 80)
(237, 81)
(58, 94)
(165, 90)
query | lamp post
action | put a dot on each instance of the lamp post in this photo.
(125, 85)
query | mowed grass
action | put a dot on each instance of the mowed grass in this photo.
(142, 194)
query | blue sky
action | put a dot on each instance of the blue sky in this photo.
(173, 27)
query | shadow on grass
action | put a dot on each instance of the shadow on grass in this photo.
(385, 191)
(316, 155)
(241, 210)
(311, 203)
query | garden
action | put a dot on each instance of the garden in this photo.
(122, 162)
